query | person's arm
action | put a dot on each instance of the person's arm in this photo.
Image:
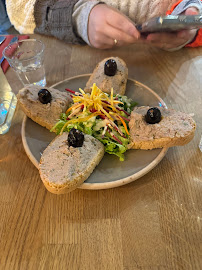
(177, 40)
(180, 7)
(54, 18)
(102, 26)
(80, 16)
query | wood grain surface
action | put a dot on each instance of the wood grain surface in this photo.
(154, 223)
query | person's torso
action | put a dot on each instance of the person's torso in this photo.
(141, 10)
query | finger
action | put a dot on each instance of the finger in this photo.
(122, 37)
(103, 41)
(163, 46)
(191, 11)
(121, 22)
(165, 38)
(187, 34)
(111, 34)
(109, 43)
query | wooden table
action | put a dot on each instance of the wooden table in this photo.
(153, 223)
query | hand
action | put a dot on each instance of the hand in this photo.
(107, 24)
(168, 41)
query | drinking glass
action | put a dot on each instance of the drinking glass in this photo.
(8, 102)
(26, 57)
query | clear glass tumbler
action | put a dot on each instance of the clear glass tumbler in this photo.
(8, 102)
(26, 57)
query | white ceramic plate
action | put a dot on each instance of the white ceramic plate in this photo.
(110, 172)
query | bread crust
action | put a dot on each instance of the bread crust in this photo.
(104, 82)
(45, 115)
(162, 142)
(39, 120)
(180, 138)
(70, 185)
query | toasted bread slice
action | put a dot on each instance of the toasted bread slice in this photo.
(45, 115)
(63, 168)
(104, 82)
(175, 128)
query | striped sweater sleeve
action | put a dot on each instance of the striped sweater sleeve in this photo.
(181, 6)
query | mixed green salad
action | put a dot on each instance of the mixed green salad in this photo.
(101, 115)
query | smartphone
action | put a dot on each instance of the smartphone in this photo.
(170, 23)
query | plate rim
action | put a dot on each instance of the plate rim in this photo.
(111, 184)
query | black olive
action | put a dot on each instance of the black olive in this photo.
(75, 138)
(44, 96)
(153, 116)
(110, 67)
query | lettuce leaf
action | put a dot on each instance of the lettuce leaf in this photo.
(95, 128)
(113, 148)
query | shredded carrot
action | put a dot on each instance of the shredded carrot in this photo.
(124, 124)
(112, 97)
(96, 103)
(82, 92)
(112, 107)
(73, 107)
(117, 101)
(106, 113)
